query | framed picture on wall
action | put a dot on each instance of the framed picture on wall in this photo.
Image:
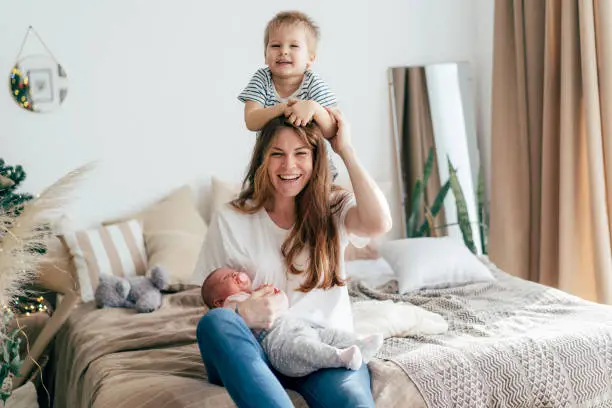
(41, 85)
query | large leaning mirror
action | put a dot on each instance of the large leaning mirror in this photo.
(432, 109)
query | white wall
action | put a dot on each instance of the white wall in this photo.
(154, 85)
(483, 64)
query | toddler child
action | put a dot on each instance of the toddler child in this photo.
(294, 347)
(287, 86)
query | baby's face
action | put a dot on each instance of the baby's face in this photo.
(226, 282)
(288, 53)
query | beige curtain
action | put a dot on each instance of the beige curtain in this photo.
(551, 192)
(416, 135)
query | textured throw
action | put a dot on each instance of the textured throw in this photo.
(510, 343)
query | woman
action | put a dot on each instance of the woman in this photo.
(289, 228)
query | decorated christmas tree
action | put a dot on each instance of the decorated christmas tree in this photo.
(25, 230)
(10, 179)
(11, 202)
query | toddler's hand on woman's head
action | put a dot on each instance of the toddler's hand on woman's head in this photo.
(289, 110)
(300, 113)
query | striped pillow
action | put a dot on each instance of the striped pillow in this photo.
(116, 249)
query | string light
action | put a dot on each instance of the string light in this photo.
(29, 306)
(20, 85)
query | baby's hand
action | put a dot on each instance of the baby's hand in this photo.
(263, 285)
(300, 113)
(268, 285)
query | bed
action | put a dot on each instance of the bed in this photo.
(509, 343)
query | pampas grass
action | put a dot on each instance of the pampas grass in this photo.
(23, 232)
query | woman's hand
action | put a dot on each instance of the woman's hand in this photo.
(341, 142)
(263, 307)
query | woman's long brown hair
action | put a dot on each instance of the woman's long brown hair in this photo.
(314, 229)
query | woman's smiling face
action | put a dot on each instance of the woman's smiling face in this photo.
(290, 163)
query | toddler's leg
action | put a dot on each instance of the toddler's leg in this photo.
(299, 352)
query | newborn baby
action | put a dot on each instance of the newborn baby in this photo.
(294, 347)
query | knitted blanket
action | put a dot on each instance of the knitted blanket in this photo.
(510, 343)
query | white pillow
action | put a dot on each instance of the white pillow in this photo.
(373, 272)
(421, 263)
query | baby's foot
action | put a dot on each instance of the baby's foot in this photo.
(351, 357)
(370, 345)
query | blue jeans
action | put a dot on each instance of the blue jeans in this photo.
(234, 359)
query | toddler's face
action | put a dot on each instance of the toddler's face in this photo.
(226, 282)
(287, 53)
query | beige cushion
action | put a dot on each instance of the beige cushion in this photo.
(116, 249)
(222, 192)
(174, 232)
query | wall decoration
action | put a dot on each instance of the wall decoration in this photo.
(20, 88)
(38, 83)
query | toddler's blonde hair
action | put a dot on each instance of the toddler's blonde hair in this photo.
(291, 18)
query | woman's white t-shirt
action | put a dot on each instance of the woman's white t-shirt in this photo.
(252, 243)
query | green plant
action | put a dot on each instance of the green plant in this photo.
(483, 214)
(10, 358)
(463, 217)
(420, 216)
